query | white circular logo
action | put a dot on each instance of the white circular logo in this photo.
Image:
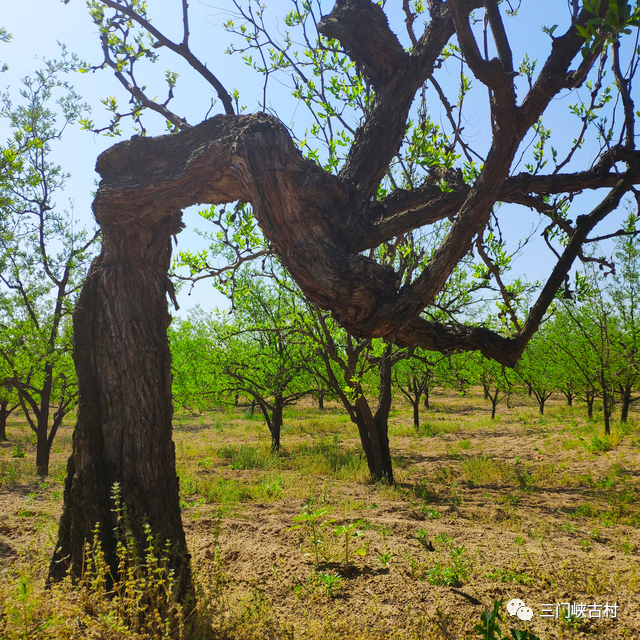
(525, 613)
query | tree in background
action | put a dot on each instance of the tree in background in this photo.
(539, 368)
(196, 384)
(262, 352)
(625, 294)
(497, 380)
(43, 256)
(415, 376)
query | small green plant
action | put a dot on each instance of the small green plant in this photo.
(431, 514)
(349, 531)
(311, 520)
(442, 538)
(331, 582)
(18, 452)
(385, 557)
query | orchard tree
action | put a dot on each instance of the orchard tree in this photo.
(415, 376)
(539, 368)
(576, 354)
(386, 169)
(359, 372)
(8, 404)
(262, 352)
(625, 293)
(43, 256)
(497, 380)
(195, 384)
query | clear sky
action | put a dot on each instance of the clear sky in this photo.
(38, 25)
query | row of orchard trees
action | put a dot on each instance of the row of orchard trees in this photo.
(274, 348)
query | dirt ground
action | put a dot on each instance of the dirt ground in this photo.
(542, 509)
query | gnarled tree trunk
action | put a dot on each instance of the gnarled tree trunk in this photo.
(123, 433)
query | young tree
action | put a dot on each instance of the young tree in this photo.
(576, 355)
(539, 368)
(497, 380)
(625, 294)
(415, 376)
(8, 404)
(323, 222)
(263, 354)
(43, 257)
(356, 369)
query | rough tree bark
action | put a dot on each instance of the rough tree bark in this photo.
(123, 431)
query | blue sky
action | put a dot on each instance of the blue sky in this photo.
(38, 26)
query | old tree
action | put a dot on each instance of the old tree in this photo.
(329, 224)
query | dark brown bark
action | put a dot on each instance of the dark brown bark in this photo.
(276, 423)
(627, 399)
(374, 427)
(123, 432)
(5, 412)
(321, 400)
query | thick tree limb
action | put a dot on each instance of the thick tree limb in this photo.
(310, 219)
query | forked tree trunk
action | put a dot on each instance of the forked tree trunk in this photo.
(374, 428)
(123, 432)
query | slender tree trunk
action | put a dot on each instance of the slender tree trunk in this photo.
(494, 403)
(374, 429)
(606, 401)
(42, 444)
(589, 398)
(416, 413)
(321, 400)
(5, 412)
(42, 449)
(529, 389)
(426, 397)
(626, 391)
(569, 396)
(252, 408)
(541, 405)
(124, 432)
(276, 423)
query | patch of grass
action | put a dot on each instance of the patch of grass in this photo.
(248, 457)
(435, 428)
(481, 470)
(327, 456)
